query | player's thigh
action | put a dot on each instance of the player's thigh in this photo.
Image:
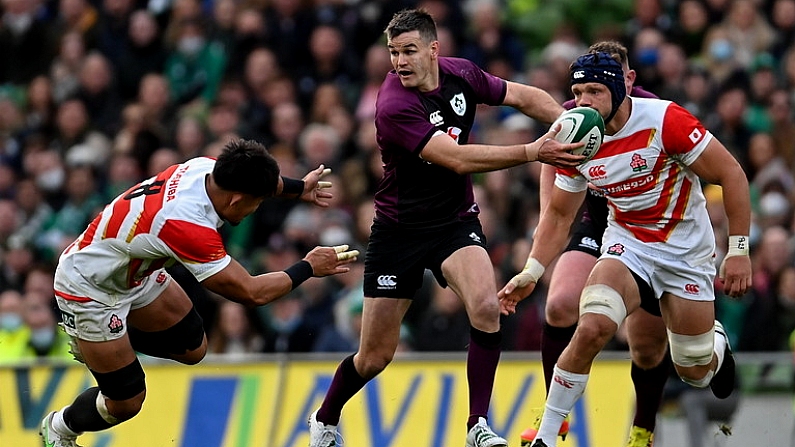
(688, 298)
(615, 274)
(566, 284)
(469, 273)
(168, 309)
(381, 320)
(394, 263)
(685, 316)
(647, 337)
(107, 356)
(100, 330)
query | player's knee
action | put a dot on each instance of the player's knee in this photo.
(562, 310)
(122, 392)
(600, 299)
(194, 356)
(697, 377)
(647, 354)
(645, 359)
(597, 331)
(184, 342)
(486, 309)
(691, 350)
(125, 410)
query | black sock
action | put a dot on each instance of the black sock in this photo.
(345, 384)
(553, 341)
(83, 415)
(482, 359)
(649, 384)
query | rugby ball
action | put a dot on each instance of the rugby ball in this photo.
(581, 124)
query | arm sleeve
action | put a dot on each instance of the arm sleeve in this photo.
(488, 88)
(570, 180)
(199, 248)
(683, 136)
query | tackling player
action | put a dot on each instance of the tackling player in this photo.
(116, 297)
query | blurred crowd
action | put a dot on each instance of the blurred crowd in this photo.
(96, 95)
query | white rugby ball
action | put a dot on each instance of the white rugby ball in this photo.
(581, 124)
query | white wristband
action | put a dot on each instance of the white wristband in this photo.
(533, 269)
(738, 246)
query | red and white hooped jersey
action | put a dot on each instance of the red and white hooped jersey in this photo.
(166, 219)
(643, 171)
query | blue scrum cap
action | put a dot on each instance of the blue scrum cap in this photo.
(602, 68)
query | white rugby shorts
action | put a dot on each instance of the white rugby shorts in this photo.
(690, 279)
(90, 320)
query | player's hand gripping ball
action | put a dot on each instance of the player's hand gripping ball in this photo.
(581, 124)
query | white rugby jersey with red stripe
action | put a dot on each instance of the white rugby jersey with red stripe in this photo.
(643, 171)
(165, 219)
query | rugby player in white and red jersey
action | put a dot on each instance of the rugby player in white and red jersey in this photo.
(116, 297)
(651, 365)
(658, 235)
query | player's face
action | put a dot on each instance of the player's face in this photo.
(241, 207)
(413, 60)
(593, 95)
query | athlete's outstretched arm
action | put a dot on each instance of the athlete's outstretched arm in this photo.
(236, 284)
(442, 150)
(532, 101)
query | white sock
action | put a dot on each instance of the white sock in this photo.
(560, 402)
(59, 425)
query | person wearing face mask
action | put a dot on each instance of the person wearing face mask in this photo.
(195, 67)
(46, 339)
(720, 55)
(14, 334)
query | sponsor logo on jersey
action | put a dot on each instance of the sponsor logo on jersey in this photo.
(387, 282)
(638, 163)
(115, 325)
(589, 242)
(692, 289)
(629, 185)
(475, 237)
(459, 104)
(436, 118)
(68, 319)
(616, 250)
(474, 208)
(597, 172)
(592, 190)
